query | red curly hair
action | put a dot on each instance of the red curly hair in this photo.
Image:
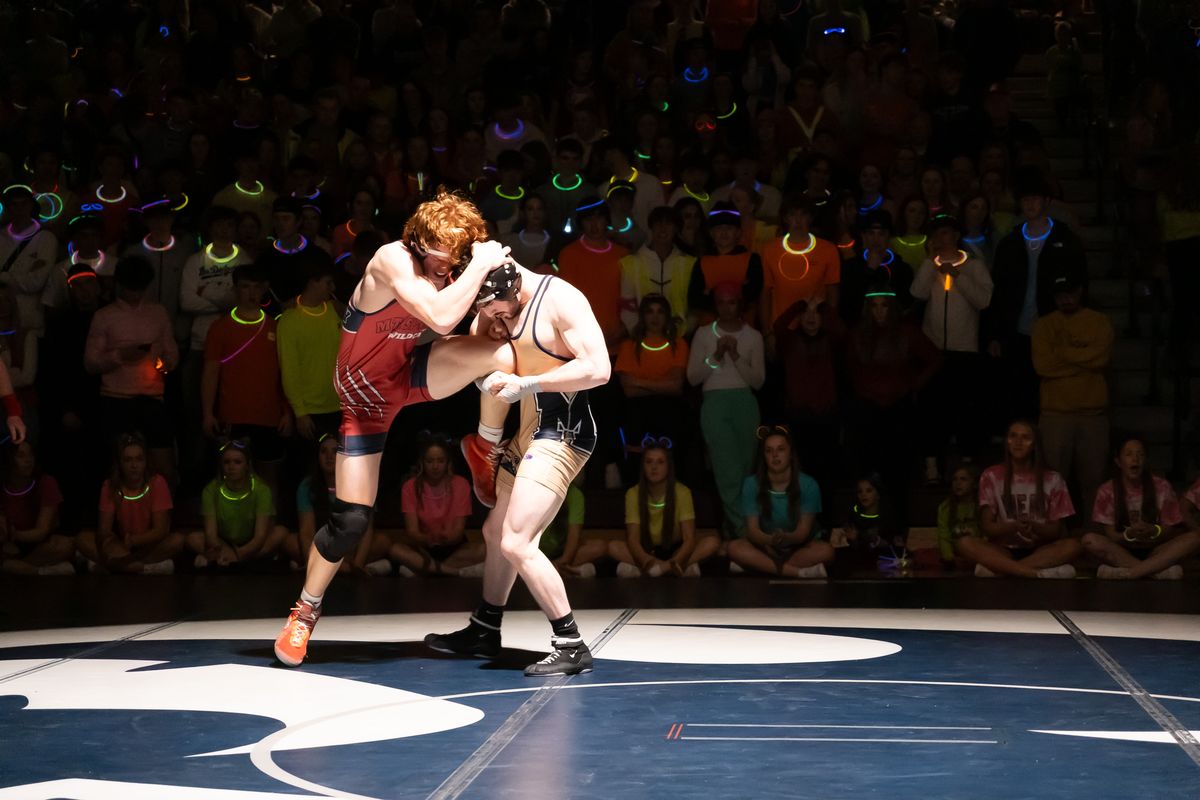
(447, 222)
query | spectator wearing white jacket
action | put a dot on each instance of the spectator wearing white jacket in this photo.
(957, 287)
(27, 253)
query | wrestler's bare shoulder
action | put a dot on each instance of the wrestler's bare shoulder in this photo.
(391, 265)
(565, 302)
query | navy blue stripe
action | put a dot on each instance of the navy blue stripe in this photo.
(365, 445)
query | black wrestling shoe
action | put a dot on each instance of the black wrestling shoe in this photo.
(473, 640)
(565, 660)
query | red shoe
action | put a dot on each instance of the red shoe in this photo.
(483, 459)
(292, 645)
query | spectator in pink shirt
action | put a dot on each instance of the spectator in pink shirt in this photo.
(436, 504)
(131, 346)
(134, 534)
(1144, 534)
(1023, 506)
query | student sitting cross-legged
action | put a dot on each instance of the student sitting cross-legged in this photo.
(436, 504)
(1023, 507)
(660, 522)
(781, 504)
(134, 532)
(1144, 532)
(238, 512)
(30, 542)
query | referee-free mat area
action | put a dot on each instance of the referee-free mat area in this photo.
(168, 689)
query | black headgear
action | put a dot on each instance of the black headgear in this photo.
(502, 283)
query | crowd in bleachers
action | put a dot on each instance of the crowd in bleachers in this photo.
(829, 259)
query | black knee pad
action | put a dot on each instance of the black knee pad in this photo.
(348, 523)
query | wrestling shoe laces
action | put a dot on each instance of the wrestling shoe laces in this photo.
(291, 646)
(566, 659)
(301, 628)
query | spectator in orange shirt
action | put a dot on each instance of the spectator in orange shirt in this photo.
(730, 262)
(592, 264)
(651, 369)
(241, 390)
(798, 264)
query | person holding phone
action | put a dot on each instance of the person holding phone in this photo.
(131, 346)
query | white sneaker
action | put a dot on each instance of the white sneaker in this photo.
(587, 571)
(164, 567)
(405, 572)
(1062, 572)
(473, 571)
(628, 571)
(693, 571)
(379, 568)
(92, 566)
(736, 568)
(655, 571)
(815, 571)
(983, 572)
(201, 562)
(612, 477)
(1171, 573)
(1112, 573)
(61, 568)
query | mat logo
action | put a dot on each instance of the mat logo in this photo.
(334, 711)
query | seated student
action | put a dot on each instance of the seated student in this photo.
(563, 542)
(780, 504)
(873, 534)
(651, 368)
(134, 531)
(958, 514)
(30, 543)
(238, 510)
(436, 504)
(1144, 532)
(1022, 507)
(659, 504)
(314, 496)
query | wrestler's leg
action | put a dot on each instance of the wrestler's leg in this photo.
(357, 484)
(531, 508)
(456, 361)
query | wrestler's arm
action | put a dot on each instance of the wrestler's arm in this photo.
(440, 310)
(577, 327)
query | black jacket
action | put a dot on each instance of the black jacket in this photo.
(1062, 254)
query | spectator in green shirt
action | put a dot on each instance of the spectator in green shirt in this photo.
(958, 514)
(308, 335)
(563, 541)
(238, 511)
